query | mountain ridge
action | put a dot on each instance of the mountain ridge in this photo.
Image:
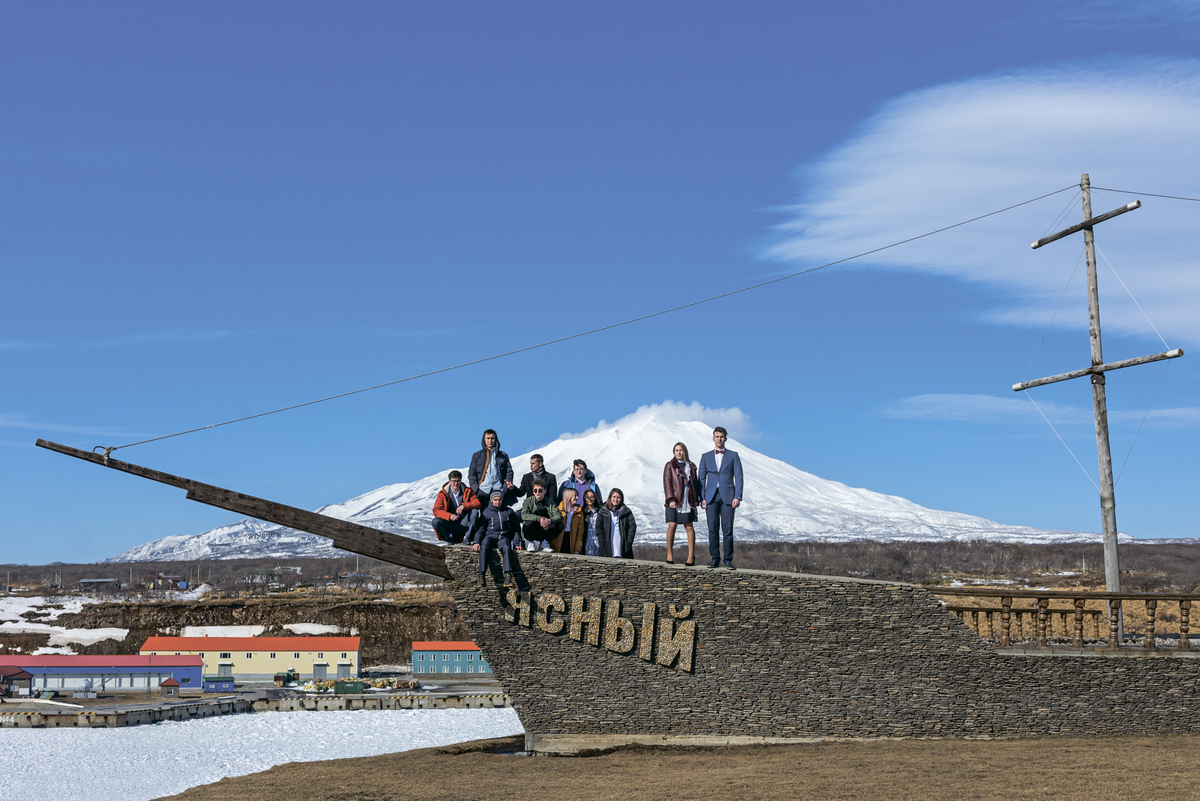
(781, 502)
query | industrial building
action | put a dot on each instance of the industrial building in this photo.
(449, 657)
(105, 673)
(262, 657)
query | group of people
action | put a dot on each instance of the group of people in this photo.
(574, 516)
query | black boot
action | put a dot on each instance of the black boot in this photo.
(508, 579)
(482, 578)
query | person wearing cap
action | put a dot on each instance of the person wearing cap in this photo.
(498, 526)
(455, 511)
(720, 475)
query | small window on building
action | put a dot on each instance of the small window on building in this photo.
(420, 657)
(445, 657)
(185, 680)
(272, 654)
(249, 655)
(296, 655)
(470, 657)
(458, 668)
(201, 654)
(457, 657)
(226, 656)
(320, 655)
(343, 654)
(176, 653)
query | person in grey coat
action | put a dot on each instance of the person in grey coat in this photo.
(616, 527)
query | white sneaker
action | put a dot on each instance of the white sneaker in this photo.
(548, 549)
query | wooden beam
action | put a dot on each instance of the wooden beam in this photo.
(1086, 224)
(382, 545)
(1099, 368)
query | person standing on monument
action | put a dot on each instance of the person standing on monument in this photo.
(720, 475)
(491, 470)
(682, 489)
(581, 479)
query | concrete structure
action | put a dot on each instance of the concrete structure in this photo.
(262, 657)
(169, 689)
(106, 673)
(596, 652)
(456, 657)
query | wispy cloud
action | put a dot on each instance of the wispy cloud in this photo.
(1017, 410)
(21, 422)
(944, 154)
(1121, 13)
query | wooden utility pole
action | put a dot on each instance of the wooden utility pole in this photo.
(1108, 505)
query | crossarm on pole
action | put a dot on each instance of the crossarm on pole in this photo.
(1074, 229)
(1097, 369)
(382, 545)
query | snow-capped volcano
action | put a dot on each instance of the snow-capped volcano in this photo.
(780, 502)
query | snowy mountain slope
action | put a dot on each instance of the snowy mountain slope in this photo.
(780, 502)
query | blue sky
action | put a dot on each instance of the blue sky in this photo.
(210, 211)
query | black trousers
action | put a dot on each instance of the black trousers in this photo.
(720, 516)
(451, 531)
(496, 541)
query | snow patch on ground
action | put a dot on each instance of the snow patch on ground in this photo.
(222, 631)
(87, 636)
(315, 628)
(11, 622)
(145, 762)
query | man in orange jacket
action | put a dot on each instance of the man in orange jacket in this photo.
(455, 511)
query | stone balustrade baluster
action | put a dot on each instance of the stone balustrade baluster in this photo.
(1151, 609)
(991, 626)
(1079, 604)
(1114, 617)
(1184, 609)
(1042, 605)
(1005, 621)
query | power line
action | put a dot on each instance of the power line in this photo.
(589, 332)
(1147, 194)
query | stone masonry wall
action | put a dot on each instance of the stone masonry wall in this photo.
(785, 655)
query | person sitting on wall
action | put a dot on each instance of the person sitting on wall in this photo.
(615, 527)
(455, 511)
(581, 479)
(497, 528)
(491, 470)
(541, 521)
(537, 470)
(574, 523)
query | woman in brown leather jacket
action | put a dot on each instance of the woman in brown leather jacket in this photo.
(682, 488)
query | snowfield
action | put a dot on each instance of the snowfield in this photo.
(781, 502)
(144, 762)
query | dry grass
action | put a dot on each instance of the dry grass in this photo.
(1065, 769)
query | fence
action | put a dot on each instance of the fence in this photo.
(1159, 608)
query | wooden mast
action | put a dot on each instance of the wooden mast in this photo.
(1108, 504)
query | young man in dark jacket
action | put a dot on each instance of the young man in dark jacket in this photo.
(537, 471)
(491, 470)
(616, 527)
(496, 530)
(455, 510)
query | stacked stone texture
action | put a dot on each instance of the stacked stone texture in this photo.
(786, 655)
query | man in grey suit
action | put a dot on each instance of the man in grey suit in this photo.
(720, 474)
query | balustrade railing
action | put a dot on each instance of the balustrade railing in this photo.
(1156, 630)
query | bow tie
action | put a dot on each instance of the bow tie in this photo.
(720, 452)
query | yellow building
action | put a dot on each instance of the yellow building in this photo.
(262, 657)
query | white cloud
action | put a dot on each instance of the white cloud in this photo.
(734, 420)
(19, 421)
(993, 410)
(947, 153)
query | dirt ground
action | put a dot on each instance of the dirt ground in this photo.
(1065, 769)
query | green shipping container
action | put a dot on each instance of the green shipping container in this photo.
(348, 687)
